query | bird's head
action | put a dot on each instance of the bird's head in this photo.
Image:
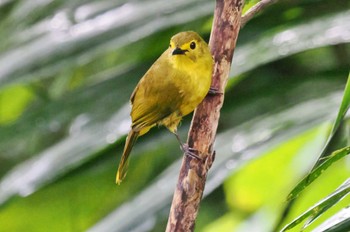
(188, 45)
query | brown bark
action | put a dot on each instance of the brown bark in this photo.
(258, 7)
(193, 173)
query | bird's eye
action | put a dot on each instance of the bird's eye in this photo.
(193, 45)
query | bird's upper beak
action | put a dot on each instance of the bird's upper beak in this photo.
(178, 51)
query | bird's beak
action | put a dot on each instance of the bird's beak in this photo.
(179, 51)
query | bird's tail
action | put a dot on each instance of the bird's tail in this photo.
(124, 162)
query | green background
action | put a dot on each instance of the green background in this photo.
(67, 69)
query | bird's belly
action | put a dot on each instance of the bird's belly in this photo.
(190, 104)
(171, 121)
(194, 93)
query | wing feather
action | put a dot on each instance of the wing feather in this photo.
(156, 96)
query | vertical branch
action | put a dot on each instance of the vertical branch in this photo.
(193, 173)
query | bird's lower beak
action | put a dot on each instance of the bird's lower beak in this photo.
(179, 51)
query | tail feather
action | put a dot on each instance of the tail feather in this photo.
(124, 162)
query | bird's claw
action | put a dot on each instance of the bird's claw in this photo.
(189, 151)
(214, 91)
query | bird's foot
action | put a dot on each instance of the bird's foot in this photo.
(189, 151)
(214, 91)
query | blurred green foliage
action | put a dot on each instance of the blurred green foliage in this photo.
(67, 69)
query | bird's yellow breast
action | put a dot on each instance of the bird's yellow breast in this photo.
(193, 79)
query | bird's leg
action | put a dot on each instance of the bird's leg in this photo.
(214, 91)
(186, 149)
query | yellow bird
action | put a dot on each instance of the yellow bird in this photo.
(173, 87)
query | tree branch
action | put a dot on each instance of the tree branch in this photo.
(193, 173)
(254, 10)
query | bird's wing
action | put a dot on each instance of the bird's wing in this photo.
(155, 97)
